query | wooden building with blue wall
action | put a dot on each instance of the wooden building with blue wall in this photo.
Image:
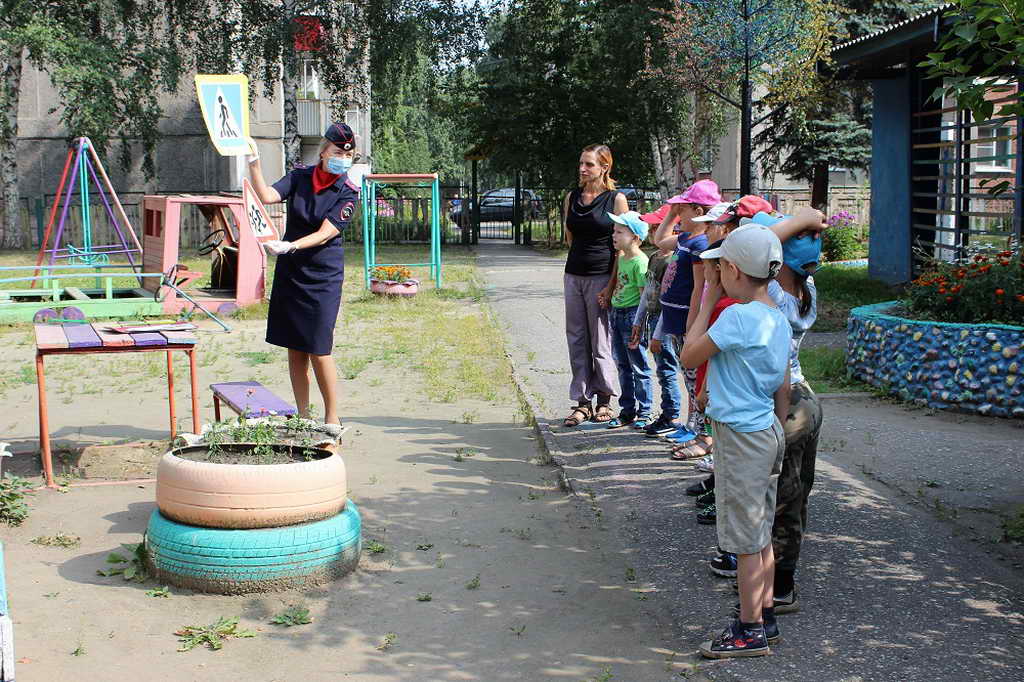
(932, 164)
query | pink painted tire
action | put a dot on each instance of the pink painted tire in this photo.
(250, 495)
(386, 288)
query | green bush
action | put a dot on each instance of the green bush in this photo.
(840, 242)
(13, 490)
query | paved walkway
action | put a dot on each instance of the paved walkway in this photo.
(902, 575)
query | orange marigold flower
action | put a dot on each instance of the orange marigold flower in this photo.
(999, 292)
(942, 290)
(1020, 297)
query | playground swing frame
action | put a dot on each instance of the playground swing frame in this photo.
(369, 209)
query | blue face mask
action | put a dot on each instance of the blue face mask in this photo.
(338, 164)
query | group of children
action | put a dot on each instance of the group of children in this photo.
(724, 302)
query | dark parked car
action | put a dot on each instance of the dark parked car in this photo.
(497, 204)
(648, 198)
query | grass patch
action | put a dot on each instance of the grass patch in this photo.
(1013, 527)
(256, 357)
(825, 370)
(840, 289)
(58, 540)
(452, 343)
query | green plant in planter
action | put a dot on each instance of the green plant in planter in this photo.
(264, 438)
(987, 286)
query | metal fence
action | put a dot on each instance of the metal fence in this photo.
(400, 220)
(529, 215)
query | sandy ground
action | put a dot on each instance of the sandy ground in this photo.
(556, 597)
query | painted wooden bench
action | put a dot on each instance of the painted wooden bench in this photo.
(249, 399)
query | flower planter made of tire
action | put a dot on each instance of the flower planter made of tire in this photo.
(218, 495)
(255, 560)
(388, 288)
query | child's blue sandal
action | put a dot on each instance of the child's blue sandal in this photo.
(624, 419)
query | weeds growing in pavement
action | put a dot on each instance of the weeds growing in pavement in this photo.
(292, 616)
(58, 540)
(212, 635)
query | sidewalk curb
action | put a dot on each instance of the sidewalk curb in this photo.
(531, 409)
(545, 437)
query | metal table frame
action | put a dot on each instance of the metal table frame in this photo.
(44, 420)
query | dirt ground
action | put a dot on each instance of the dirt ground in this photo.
(452, 491)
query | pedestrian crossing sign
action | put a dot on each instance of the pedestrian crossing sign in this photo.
(224, 102)
(259, 220)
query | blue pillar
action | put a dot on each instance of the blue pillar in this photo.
(890, 236)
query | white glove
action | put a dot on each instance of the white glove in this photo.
(276, 247)
(356, 173)
(254, 152)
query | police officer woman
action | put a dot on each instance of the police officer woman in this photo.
(310, 267)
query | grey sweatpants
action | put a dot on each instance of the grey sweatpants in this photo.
(589, 337)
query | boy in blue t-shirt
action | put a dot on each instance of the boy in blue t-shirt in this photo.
(747, 350)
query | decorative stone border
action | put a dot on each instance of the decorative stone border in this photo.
(965, 367)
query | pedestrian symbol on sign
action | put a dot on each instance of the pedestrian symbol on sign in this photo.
(224, 101)
(226, 129)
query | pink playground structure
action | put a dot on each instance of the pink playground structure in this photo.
(239, 263)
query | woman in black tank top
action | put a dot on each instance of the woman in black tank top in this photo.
(590, 251)
(588, 285)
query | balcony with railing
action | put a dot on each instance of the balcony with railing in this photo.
(311, 113)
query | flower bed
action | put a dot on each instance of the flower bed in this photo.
(954, 366)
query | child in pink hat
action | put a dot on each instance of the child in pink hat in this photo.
(701, 193)
(681, 288)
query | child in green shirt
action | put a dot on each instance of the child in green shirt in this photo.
(634, 372)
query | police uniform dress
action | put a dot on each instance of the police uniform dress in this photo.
(306, 297)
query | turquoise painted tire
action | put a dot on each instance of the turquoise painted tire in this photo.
(257, 560)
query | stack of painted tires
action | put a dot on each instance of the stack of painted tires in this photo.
(241, 528)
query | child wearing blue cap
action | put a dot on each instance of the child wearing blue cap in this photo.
(794, 293)
(634, 372)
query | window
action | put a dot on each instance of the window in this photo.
(309, 87)
(997, 147)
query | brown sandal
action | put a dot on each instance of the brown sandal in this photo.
(603, 414)
(585, 411)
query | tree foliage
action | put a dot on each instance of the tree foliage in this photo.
(558, 75)
(980, 49)
(104, 62)
(829, 125)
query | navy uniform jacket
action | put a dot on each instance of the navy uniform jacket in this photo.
(306, 295)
